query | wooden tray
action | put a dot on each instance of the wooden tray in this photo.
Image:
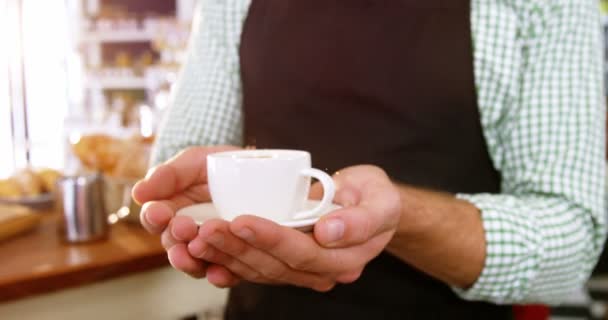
(15, 220)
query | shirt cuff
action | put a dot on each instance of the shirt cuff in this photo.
(512, 246)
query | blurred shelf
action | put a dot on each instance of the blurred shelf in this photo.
(118, 36)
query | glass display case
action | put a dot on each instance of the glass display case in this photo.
(129, 55)
(84, 66)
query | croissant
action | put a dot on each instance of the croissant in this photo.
(9, 188)
(29, 182)
(48, 178)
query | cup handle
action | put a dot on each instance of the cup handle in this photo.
(329, 190)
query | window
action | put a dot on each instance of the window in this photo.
(46, 45)
(6, 145)
(37, 127)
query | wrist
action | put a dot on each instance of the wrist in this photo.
(433, 225)
(416, 217)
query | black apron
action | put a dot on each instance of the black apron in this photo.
(383, 82)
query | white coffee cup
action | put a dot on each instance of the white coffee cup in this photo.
(272, 184)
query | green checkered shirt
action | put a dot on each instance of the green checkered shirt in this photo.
(538, 70)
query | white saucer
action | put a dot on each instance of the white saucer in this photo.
(204, 211)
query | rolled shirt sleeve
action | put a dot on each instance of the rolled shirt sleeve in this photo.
(206, 107)
(545, 128)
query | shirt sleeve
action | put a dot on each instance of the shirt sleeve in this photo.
(546, 228)
(206, 107)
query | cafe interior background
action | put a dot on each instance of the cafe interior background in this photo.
(83, 86)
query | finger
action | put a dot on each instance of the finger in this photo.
(221, 277)
(199, 245)
(187, 168)
(155, 215)
(236, 267)
(301, 252)
(214, 256)
(376, 211)
(167, 240)
(296, 249)
(376, 191)
(199, 248)
(267, 274)
(348, 227)
(234, 253)
(316, 191)
(350, 277)
(347, 196)
(352, 226)
(183, 228)
(181, 260)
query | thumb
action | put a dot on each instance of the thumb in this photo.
(371, 207)
(356, 223)
(339, 227)
(345, 228)
(330, 230)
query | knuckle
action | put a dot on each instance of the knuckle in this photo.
(303, 262)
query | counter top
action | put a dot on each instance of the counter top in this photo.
(39, 262)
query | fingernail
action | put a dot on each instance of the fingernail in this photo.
(149, 221)
(335, 229)
(175, 236)
(245, 234)
(197, 248)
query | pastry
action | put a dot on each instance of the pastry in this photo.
(49, 177)
(98, 152)
(29, 182)
(9, 188)
(15, 220)
(134, 157)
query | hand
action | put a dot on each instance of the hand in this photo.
(180, 182)
(343, 242)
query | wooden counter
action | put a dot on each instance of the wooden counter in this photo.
(39, 262)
